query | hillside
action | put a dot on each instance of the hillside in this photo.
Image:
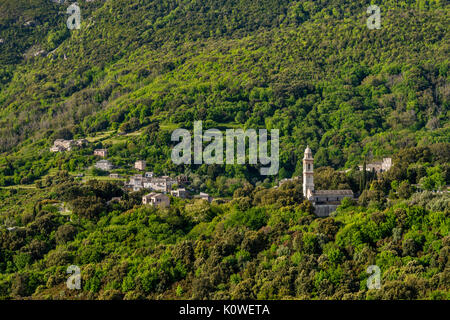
(138, 69)
(316, 72)
(263, 244)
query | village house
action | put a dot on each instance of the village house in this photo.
(163, 184)
(156, 199)
(182, 180)
(156, 184)
(140, 165)
(204, 196)
(378, 166)
(179, 193)
(149, 174)
(101, 153)
(104, 165)
(136, 182)
(66, 144)
(115, 176)
(57, 149)
(81, 142)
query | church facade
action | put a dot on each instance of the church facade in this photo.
(324, 201)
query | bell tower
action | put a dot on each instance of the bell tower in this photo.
(308, 173)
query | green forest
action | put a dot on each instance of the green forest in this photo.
(138, 69)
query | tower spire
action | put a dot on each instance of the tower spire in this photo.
(308, 173)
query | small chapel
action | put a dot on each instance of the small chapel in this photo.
(324, 201)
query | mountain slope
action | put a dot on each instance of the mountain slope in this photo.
(138, 69)
(312, 69)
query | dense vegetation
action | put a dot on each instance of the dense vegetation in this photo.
(138, 69)
(311, 69)
(263, 244)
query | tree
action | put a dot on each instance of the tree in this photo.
(240, 117)
(404, 190)
(364, 177)
(64, 133)
(65, 233)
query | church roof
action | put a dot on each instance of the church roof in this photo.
(333, 192)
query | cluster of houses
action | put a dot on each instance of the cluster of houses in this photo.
(161, 187)
(161, 184)
(324, 201)
(60, 145)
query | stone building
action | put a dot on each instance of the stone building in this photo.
(81, 142)
(204, 196)
(149, 174)
(179, 193)
(163, 184)
(57, 149)
(66, 144)
(136, 182)
(101, 153)
(378, 166)
(324, 201)
(104, 165)
(140, 165)
(60, 145)
(156, 199)
(182, 180)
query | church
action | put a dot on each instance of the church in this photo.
(324, 201)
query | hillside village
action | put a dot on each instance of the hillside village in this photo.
(161, 187)
(91, 97)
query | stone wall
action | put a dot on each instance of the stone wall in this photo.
(324, 210)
